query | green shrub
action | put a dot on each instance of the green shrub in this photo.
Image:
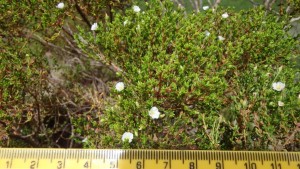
(45, 95)
(212, 93)
(23, 70)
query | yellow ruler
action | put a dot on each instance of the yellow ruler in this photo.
(145, 159)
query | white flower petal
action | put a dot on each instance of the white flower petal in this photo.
(221, 38)
(154, 113)
(205, 8)
(127, 136)
(136, 9)
(85, 140)
(278, 86)
(280, 103)
(225, 15)
(94, 27)
(60, 5)
(120, 86)
(207, 33)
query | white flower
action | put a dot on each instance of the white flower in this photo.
(207, 33)
(154, 113)
(60, 5)
(85, 140)
(221, 38)
(225, 15)
(125, 22)
(205, 8)
(280, 103)
(94, 27)
(127, 136)
(278, 86)
(120, 86)
(299, 96)
(136, 9)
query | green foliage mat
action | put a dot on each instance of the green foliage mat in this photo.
(211, 76)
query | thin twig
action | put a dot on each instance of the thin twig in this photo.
(36, 37)
(82, 14)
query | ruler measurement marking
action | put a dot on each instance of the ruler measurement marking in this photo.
(50, 156)
(64, 164)
(117, 163)
(186, 155)
(281, 158)
(156, 157)
(135, 155)
(37, 163)
(167, 154)
(261, 159)
(237, 157)
(285, 157)
(39, 158)
(209, 153)
(170, 163)
(182, 156)
(143, 162)
(11, 161)
(248, 164)
(24, 154)
(196, 159)
(77, 158)
(175, 155)
(222, 159)
(273, 160)
(90, 165)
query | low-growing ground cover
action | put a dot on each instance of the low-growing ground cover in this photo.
(151, 76)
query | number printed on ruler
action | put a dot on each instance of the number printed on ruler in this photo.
(145, 159)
